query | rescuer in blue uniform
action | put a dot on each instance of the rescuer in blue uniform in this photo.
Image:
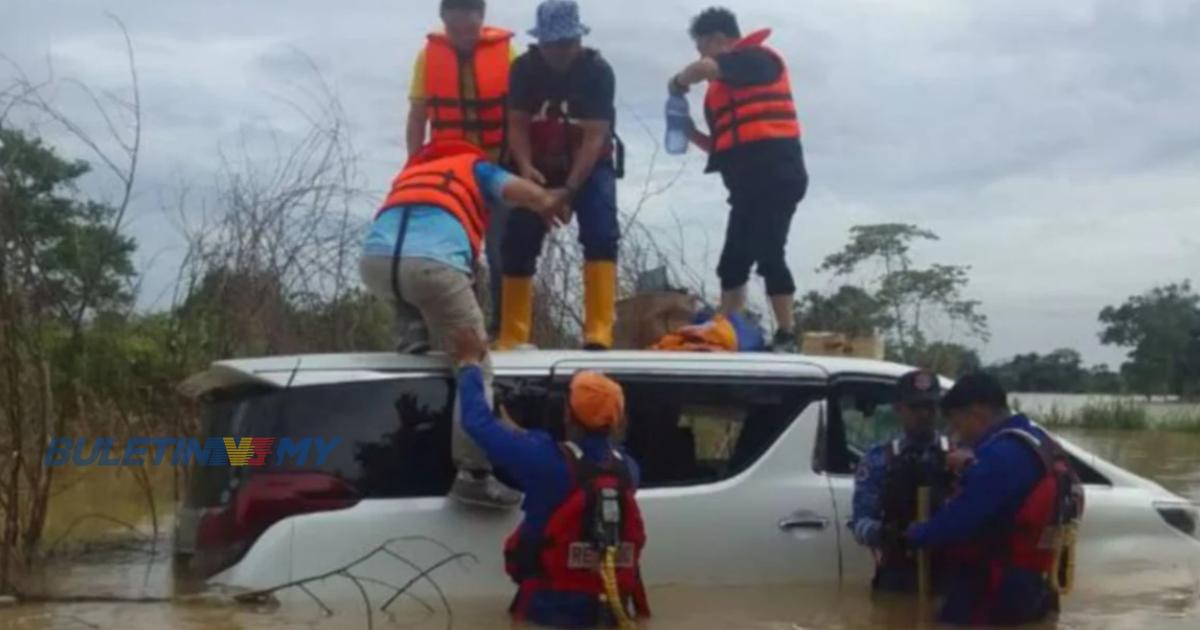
(1017, 488)
(572, 489)
(889, 475)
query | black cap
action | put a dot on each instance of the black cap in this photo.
(979, 388)
(919, 386)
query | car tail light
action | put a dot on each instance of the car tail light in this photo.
(1181, 516)
(224, 534)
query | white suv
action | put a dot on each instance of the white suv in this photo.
(747, 471)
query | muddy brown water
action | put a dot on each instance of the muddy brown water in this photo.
(1118, 601)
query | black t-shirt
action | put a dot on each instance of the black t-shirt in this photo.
(587, 88)
(766, 162)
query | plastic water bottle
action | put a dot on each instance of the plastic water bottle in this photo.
(678, 123)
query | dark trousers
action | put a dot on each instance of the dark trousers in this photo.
(595, 208)
(760, 218)
(1018, 597)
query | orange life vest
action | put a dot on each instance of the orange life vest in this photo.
(447, 183)
(740, 115)
(452, 115)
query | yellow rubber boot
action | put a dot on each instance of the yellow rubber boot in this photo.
(516, 312)
(599, 303)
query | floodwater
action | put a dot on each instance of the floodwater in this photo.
(1119, 601)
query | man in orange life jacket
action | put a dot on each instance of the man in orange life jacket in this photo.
(561, 121)
(459, 92)
(419, 255)
(579, 501)
(1000, 530)
(754, 143)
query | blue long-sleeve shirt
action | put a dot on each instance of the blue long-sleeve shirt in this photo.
(535, 460)
(993, 488)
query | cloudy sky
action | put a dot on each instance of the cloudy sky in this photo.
(1054, 146)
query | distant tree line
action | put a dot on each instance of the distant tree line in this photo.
(926, 320)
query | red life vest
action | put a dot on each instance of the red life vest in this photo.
(566, 556)
(452, 114)
(447, 183)
(740, 115)
(1055, 501)
(1029, 541)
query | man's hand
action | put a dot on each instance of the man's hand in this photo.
(675, 87)
(553, 206)
(530, 172)
(560, 205)
(469, 347)
(958, 460)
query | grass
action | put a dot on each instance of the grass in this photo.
(1125, 415)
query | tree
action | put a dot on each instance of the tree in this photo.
(850, 311)
(58, 251)
(1162, 330)
(918, 303)
(1061, 371)
(948, 359)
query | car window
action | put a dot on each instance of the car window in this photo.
(685, 433)
(868, 417)
(860, 416)
(394, 434)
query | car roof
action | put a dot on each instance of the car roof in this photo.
(319, 369)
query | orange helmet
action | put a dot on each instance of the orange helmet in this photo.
(597, 402)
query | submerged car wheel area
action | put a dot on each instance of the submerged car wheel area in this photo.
(747, 465)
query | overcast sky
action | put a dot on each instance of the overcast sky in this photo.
(1054, 146)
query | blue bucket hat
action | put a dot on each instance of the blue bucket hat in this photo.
(558, 20)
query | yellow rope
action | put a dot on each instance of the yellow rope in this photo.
(612, 593)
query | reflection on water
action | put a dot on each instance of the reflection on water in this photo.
(1120, 601)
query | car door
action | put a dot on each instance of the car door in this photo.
(728, 491)
(858, 416)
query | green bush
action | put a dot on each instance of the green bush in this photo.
(1118, 414)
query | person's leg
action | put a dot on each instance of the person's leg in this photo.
(737, 257)
(600, 235)
(519, 251)
(446, 299)
(411, 333)
(771, 225)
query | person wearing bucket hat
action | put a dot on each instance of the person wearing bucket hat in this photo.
(889, 475)
(562, 116)
(553, 555)
(418, 257)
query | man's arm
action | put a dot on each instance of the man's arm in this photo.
(702, 140)
(865, 521)
(418, 116)
(418, 120)
(596, 136)
(519, 123)
(519, 192)
(520, 453)
(522, 103)
(705, 69)
(999, 480)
